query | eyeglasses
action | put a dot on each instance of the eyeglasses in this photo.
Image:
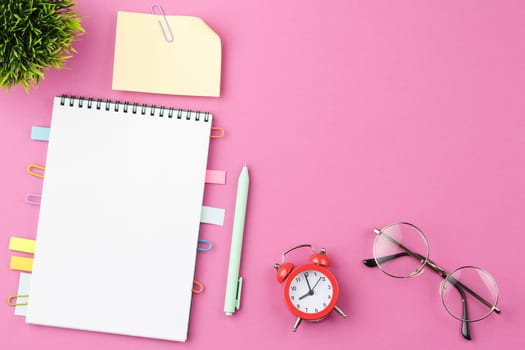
(468, 293)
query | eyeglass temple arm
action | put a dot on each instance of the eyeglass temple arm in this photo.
(465, 328)
(373, 263)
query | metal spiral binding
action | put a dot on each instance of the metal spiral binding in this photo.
(134, 108)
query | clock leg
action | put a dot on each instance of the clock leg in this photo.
(339, 311)
(297, 323)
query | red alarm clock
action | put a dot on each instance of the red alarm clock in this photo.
(310, 291)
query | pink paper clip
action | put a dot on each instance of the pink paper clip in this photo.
(33, 198)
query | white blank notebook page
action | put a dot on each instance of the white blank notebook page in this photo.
(119, 219)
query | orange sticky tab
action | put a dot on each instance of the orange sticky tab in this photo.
(21, 263)
(24, 245)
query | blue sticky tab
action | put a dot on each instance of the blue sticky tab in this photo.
(39, 133)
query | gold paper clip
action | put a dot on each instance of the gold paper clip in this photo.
(161, 10)
(30, 171)
(217, 133)
(16, 303)
(197, 287)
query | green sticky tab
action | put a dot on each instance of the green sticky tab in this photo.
(239, 288)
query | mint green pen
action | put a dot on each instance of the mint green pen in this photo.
(232, 301)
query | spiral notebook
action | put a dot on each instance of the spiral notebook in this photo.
(119, 218)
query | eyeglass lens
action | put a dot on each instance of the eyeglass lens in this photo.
(391, 246)
(469, 293)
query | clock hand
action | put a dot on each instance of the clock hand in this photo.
(307, 283)
(304, 296)
(310, 290)
(316, 283)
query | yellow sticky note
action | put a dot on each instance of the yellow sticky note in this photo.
(25, 245)
(21, 263)
(146, 62)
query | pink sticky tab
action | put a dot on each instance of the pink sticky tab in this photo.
(215, 177)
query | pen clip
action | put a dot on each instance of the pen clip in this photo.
(238, 295)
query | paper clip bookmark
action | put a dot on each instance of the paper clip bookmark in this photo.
(208, 246)
(161, 10)
(11, 298)
(217, 133)
(33, 198)
(30, 171)
(198, 287)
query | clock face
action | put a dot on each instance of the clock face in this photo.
(311, 292)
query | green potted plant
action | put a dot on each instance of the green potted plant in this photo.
(35, 35)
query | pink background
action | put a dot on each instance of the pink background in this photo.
(350, 114)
